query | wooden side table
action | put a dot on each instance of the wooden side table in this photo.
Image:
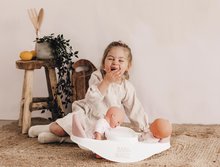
(30, 103)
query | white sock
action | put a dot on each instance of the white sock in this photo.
(34, 131)
(48, 137)
(67, 139)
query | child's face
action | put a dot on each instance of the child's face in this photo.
(116, 59)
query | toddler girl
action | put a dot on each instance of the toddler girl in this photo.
(108, 87)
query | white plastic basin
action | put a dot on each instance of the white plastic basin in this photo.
(122, 134)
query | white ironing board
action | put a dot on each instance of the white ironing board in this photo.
(124, 151)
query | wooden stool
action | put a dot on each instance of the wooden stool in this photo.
(30, 103)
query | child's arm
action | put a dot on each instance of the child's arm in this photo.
(110, 77)
(103, 86)
(98, 85)
(134, 109)
(93, 95)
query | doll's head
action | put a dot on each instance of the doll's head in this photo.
(116, 56)
(161, 128)
(115, 116)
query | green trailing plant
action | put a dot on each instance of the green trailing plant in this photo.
(63, 54)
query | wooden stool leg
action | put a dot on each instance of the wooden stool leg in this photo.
(21, 104)
(28, 86)
(51, 84)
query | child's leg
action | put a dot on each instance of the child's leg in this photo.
(57, 130)
(77, 128)
(48, 137)
(53, 127)
(34, 131)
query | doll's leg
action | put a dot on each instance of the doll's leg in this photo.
(48, 137)
(34, 131)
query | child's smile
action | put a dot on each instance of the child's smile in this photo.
(116, 60)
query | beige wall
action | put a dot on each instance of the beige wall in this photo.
(175, 45)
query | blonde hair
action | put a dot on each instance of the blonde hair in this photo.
(117, 44)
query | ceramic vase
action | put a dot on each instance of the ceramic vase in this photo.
(43, 51)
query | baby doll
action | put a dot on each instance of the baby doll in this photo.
(113, 118)
(159, 131)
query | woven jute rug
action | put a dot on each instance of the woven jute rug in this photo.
(191, 145)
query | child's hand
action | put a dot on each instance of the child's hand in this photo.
(113, 76)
